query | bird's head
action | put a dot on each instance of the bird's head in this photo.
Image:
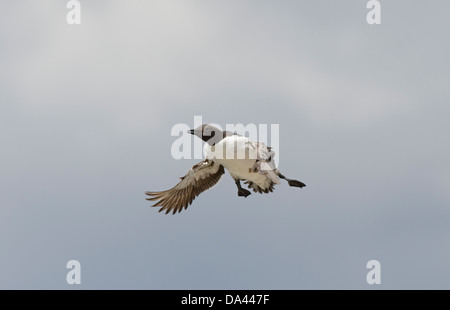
(207, 133)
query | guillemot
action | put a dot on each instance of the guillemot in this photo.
(244, 159)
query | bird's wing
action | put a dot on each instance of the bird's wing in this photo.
(201, 177)
(264, 163)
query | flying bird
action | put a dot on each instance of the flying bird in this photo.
(244, 159)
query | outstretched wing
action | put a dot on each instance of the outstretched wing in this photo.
(264, 163)
(201, 177)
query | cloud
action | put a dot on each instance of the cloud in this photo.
(132, 64)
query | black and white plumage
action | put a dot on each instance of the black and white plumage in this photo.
(244, 159)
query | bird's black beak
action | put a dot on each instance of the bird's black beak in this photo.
(191, 131)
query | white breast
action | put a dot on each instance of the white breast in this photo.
(238, 155)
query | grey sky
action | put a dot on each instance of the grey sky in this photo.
(86, 113)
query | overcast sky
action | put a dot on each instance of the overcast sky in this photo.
(86, 113)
